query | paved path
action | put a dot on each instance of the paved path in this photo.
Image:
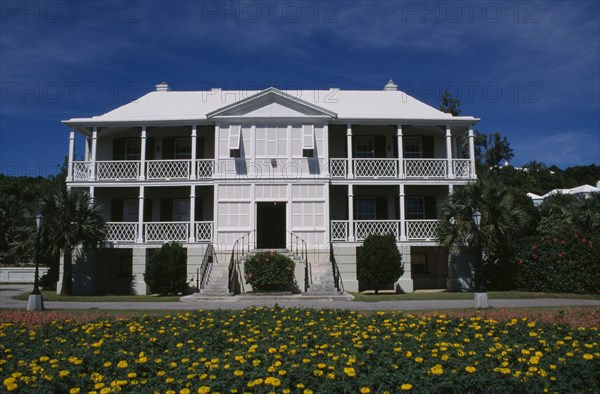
(7, 291)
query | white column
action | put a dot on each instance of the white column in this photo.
(71, 153)
(449, 152)
(93, 158)
(194, 154)
(216, 217)
(143, 155)
(400, 153)
(349, 155)
(402, 214)
(92, 195)
(217, 172)
(289, 152)
(253, 164)
(325, 155)
(140, 238)
(288, 212)
(472, 152)
(450, 189)
(326, 214)
(350, 213)
(192, 233)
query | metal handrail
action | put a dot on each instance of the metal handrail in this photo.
(299, 250)
(240, 249)
(337, 276)
(206, 267)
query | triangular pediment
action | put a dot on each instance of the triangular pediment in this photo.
(271, 103)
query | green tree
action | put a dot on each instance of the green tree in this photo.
(380, 261)
(503, 220)
(449, 104)
(490, 150)
(166, 270)
(71, 220)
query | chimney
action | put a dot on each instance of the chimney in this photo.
(163, 87)
(391, 86)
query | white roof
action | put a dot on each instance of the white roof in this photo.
(583, 189)
(166, 105)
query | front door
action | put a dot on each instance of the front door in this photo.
(270, 225)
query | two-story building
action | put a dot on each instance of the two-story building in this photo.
(318, 170)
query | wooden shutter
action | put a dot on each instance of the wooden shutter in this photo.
(430, 207)
(166, 209)
(168, 148)
(119, 149)
(428, 152)
(116, 210)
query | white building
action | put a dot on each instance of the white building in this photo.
(274, 170)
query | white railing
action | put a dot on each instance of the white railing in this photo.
(205, 168)
(121, 231)
(168, 169)
(421, 229)
(338, 168)
(204, 231)
(166, 231)
(82, 170)
(117, 170)
(374, 168)
(339, 230)
(462, 168)
(364, 228)
(425, 168)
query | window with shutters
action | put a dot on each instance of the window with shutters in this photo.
(133, 149)
(415, 208)
(182, 149)
(308, 141)
(413, 147)
(366, 208)
(235, 133)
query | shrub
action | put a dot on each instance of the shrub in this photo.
(269, 271)
(380, 262)
(562, 264)
(166, 270)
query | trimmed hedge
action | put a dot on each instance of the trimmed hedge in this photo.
(269, 271)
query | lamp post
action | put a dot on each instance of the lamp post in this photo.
(36, 300)
(481, 298)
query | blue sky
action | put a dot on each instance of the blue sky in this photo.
(529, 69)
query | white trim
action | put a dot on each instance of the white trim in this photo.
(143, 154)
(194, 153)
(71, 153)
(192, 233)
(93, 153)
(449, 152)
(141, 197)
(400, 152)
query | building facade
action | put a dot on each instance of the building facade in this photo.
(312, 170)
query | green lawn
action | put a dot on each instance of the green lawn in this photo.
(444, 295)
(52, 296)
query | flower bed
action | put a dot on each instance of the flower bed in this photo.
(264, 350)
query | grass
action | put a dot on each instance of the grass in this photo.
(444, 295)
(52, 296)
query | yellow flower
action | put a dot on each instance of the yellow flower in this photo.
(75, 390)
(365, 390)
(132, 375)
(418, 359)
(307, 391)
(350, 372)
(470, 369)
(204, 390)
(437, 370)
(237, 372)
(406, 387)
(122, 364)
(588, 356)
(107, 364)
(64, 373)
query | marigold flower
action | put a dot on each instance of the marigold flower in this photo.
(470, 369)
(365, 390)
(75, 390)
(406, 387)
(204, 390)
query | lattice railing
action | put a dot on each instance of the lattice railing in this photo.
(204, 231)
(166, 231)
(421, 229)
(205, 168)
(117, 170)
(462, 168)
(364, 228)
(121, 231)
(375, 167)
(425, 168)
(339, 230)
(168, 169)
(82, 170)
(338, 168)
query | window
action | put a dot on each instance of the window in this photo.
(415, 208)
(235, 133)
(366, 208)
(181, 210)
(182, 149)
(308, 141)
(418, 263)
(130, 210)
(413, 147)
(133, 149)
(365, 147)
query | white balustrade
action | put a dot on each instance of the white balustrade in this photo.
(117, 170)
(121, 231)
(375, 168)
(205, 168)
(421, 229)
(168, 169)
(166, 231)
(462, 168)
(338, 168)
(425, 168)
(339, 230)
(82, 171)
(364, 228)
(204, 231)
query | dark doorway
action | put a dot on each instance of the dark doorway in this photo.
(270, 225)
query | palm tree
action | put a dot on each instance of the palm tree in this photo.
(70, 220)
(502, 221)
